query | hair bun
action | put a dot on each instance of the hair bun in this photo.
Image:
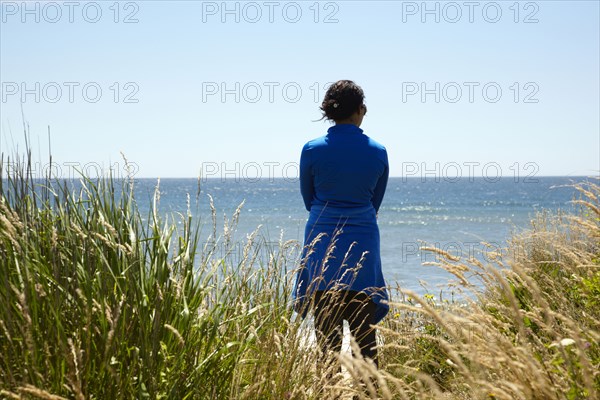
(342, 99)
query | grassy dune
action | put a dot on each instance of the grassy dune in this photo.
(100, 302)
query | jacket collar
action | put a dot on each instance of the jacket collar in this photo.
(344, 128)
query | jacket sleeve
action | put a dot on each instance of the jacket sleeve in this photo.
(307, 188)
(381, 184)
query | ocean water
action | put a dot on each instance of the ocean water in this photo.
(452, 216)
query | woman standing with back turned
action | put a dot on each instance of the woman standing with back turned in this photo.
(343, 177)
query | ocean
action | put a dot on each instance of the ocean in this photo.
(453, 216)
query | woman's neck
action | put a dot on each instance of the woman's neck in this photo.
(352, 121)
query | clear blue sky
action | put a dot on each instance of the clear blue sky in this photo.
(175, 57)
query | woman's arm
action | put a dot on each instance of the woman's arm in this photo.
(381, 185)
(307, 188)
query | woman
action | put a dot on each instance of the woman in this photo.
(343, 177)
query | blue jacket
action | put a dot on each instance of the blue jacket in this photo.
(343, 177)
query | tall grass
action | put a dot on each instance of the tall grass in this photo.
(98, 301)
(531, 333)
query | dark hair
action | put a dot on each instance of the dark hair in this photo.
(342, 100)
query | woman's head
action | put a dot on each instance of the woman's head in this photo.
(343, 99)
